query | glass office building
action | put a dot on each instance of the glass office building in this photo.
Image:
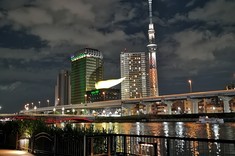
(86, 70)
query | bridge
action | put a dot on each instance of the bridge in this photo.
(191, 104)
(48, 118)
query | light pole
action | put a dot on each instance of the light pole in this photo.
(62, 110)
(73, 111)
(48, 102)
(54, 110)
(0, 108)
(35, 109)
(32, 105)
(26, 107)
(85, 98)
(104, 95)
(39, 102)
(58, 101)
(190, 86)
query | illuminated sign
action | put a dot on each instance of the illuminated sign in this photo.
(95, 92)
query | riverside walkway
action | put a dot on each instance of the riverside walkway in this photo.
(6, 152)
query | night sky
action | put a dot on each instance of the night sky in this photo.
(196, 40)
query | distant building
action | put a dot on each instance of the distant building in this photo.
(86, 70)
(230, 86)
(62, 89)
(102, 95)
(133, 68)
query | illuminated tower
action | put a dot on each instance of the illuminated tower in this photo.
(86, 70)
(152, 47)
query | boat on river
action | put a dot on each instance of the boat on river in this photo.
(206, 119)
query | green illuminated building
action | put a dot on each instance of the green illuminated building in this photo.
(86, 70)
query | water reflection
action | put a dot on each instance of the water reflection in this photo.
(175, 129)
(138, 128)
(215, 129)
(166, 128)
(179, 130)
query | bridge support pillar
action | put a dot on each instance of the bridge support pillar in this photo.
(148, 108)
(205, 102)
(195, 105)
(226, 106)
(126, 110)
(169, 104)
(188, 106)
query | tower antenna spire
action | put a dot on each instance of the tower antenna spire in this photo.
(152, 48)
(150, 12)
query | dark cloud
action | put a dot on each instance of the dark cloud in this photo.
(218, 12)
(195, 41)
(10, 87)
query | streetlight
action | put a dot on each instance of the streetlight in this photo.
(48, 102)
(103, 95)
(32, 105)
(73, 111)
(85, 98)
(35, 108)
(26, 106)
(190, 85)
(39, 102)
(0, 107)
(62, 110)
(54, 110)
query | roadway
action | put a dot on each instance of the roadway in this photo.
(120, 103)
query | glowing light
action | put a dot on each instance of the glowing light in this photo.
(108, 83)
(13, 152)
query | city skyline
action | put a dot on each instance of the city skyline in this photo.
(195, 41)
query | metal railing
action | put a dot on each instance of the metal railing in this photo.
(118, 144)
(121, 144)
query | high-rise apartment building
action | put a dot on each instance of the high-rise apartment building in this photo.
(86, 70)
(62, 89)
(133, 68)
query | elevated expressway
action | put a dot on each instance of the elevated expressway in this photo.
(195, 97)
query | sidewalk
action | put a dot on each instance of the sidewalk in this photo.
(6, 152)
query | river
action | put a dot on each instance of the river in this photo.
(172, 129)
